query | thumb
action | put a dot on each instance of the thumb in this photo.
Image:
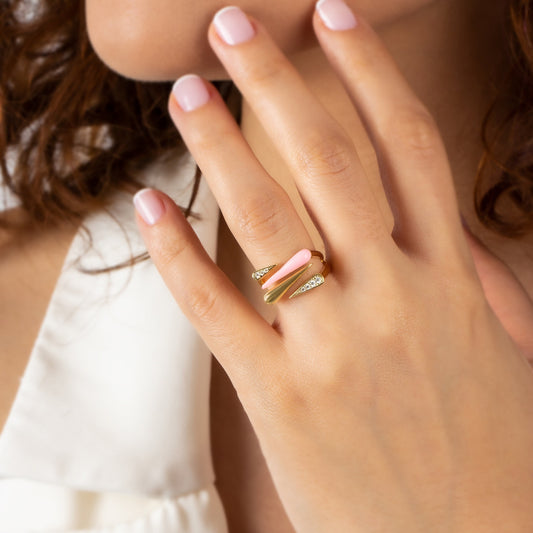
(505, 294)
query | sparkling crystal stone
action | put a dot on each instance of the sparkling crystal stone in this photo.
(258, 274)
(314, 282)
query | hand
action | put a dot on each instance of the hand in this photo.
(391, 398)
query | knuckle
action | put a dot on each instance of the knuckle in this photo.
(204, 303)
(461, 287)
(362, 62)
(262, 73)
(276, 399)
(261, 219)
(333, 374)
(324, 155)
(392, 298)
(168, 248)
(206, 140)
(417, 132)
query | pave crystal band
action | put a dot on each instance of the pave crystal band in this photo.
(280, 278)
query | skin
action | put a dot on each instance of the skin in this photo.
(461, 43)
(295, 406)
(414, 421)
(154, 39)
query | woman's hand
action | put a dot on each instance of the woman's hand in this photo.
(390, 398)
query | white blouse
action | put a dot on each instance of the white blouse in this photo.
(109, 430)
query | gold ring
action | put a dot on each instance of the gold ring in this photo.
(280, 278)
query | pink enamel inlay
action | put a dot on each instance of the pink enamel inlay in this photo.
(294, 263)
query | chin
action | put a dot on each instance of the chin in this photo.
(141, 53)
(159, 71)
(154, 48)
(131, 59)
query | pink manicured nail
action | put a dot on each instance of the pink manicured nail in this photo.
(190, 92)
(336, 15)
(296, 261)
(149, 206)
(233, 26)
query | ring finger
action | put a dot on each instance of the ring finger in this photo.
(256, 208)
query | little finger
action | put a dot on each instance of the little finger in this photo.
(243, 342)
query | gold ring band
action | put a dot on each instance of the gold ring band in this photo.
(280, 278)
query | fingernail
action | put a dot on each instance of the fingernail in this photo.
(149, 206)
(233, 26)
(336, 15)
(190, 92)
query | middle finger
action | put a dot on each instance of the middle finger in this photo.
(320, 154)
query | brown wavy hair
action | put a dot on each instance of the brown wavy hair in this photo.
(107, 127)
(503, 193)
(73, 143)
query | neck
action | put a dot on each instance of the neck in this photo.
(449, 53)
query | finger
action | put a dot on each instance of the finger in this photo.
(256, 208)
(234, 332)
(412, 157)
(505, 294)
(320, 154)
